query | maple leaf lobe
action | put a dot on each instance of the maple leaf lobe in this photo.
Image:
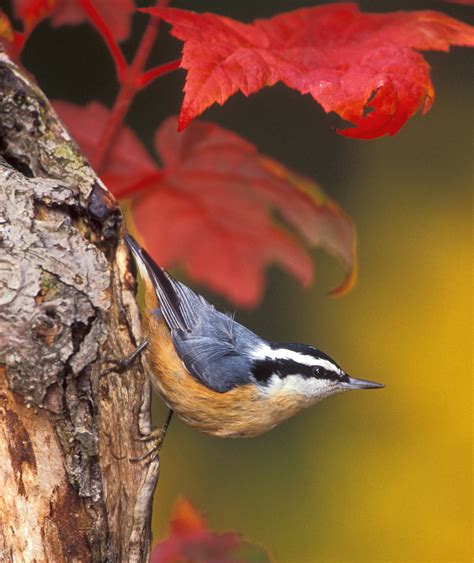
(116, 14)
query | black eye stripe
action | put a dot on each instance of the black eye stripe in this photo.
(264, 369)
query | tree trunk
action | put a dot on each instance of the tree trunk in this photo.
(68, 431)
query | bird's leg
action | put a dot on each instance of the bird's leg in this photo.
(125, 363)
(156, 437)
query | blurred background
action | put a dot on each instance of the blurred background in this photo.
(363, 476)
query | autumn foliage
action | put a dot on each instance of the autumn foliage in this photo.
(216, 206)
(191, 540)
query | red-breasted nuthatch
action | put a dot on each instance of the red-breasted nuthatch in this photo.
(217, 375)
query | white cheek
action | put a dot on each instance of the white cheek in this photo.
(309, 388)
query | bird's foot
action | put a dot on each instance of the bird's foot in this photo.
(156, 437)
(124, 363)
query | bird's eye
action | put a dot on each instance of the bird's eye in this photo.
(316, 371)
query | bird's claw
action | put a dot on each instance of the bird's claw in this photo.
(124, 363)
(156, 437)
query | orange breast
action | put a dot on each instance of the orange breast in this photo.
(241, 412)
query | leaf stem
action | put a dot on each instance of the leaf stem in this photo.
(150, 75)
(97, 20)
(129, 85)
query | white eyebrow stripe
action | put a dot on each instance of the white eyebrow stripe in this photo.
(264, 352)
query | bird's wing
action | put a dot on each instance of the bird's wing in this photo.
(211, 344)
(220, 375)
(216, 352)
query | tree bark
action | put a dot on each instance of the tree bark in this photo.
(68, 430)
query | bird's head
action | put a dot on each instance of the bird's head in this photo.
(301, 370)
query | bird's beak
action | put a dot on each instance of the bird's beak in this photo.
(353, 383)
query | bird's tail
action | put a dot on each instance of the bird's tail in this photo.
(176, 301)
(140, 261)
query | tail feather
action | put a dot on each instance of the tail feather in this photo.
(165, 287)
(137, 255)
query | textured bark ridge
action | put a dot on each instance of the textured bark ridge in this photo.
(68, 488)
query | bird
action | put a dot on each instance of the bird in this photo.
(217, 375)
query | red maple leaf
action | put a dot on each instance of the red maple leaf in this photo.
(190, 541)
(363, 67)
(212, 206)
(218, 210)
(116, 14)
